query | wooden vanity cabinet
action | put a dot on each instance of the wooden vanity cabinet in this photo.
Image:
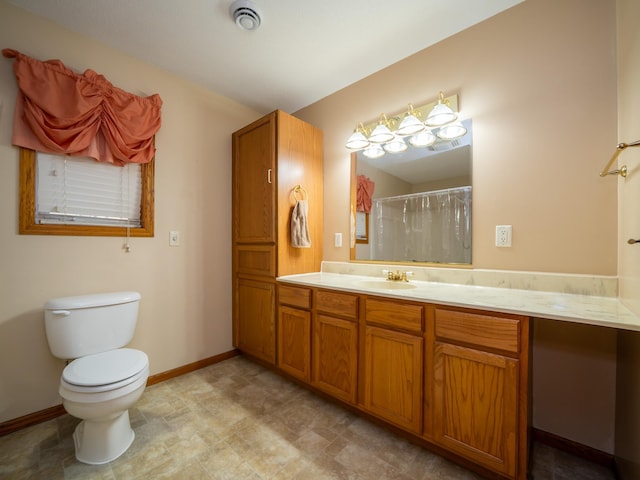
(335, 344)
(271, 156)
(480, 387)
(294, 331)
(454, 377)
(392, 384)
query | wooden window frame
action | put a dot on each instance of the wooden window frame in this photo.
(360, 238)
(27, 207)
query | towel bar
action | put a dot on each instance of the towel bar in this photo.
(622, 171)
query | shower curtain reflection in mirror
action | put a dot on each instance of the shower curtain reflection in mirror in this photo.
(434, 227)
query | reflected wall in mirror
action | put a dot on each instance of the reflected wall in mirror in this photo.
(420, 204)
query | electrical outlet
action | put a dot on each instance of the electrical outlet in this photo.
(503, 235)
(337, 241)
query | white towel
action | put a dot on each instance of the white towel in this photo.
(300, 225)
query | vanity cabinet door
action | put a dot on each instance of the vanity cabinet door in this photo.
(254, 182)
(294, 342)
(335, 344)
(335, 356)
(480, 400)
(475, 405)
(254, 327)
(393, 376)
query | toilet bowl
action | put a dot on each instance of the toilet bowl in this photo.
(100, 389)
(104, 379)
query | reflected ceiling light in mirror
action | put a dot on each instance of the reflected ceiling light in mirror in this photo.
(373, 151)
(410, 124)
(382, 133)
(441, 114)
(396, 145)
(422, 139)
(358, 139)
(451, 131)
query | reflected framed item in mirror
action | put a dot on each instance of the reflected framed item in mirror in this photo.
(362, 227)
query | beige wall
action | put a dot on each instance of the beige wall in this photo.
(628, 392)
(185, 312)
(539, 82)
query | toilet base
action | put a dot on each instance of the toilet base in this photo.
(104, 441)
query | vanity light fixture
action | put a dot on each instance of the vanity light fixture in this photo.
(441, 114)
(410, 124)
(441, 123)
(358, 139)
(382, 133)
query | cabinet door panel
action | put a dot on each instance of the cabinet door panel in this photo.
(255, 318)
(475, 405)
(259, 260)
(254, 163)
(335, 356)
(294, 342)
(393, 377)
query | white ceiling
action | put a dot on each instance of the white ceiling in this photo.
(303, 51)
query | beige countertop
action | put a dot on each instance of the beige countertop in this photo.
(606, 311)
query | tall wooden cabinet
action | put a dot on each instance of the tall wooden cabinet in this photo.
(277, 160)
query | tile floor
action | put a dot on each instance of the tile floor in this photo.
(235, 420)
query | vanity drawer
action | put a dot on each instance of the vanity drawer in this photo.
(341, 304)
(394, 314)
(484, 330)
(294, 296)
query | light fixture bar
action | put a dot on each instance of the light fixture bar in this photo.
(419, 126)
(423, 112)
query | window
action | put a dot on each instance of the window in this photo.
(57, 197)
(362, 227)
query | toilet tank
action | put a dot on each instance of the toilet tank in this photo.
(86, 324)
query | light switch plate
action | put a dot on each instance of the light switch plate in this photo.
(174, 238)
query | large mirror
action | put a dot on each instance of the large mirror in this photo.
(420, 204)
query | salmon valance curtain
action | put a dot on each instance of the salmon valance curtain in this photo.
(364, 193)
(63, 112)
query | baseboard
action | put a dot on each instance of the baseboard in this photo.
(19, 423)
(574, 448)
(191, 367)
(50, 413)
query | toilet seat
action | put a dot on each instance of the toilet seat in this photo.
(105, 371)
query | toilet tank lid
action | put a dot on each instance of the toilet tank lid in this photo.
(93, 300)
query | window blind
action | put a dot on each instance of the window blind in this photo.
(78, 190)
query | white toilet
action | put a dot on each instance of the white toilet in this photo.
(104, 380)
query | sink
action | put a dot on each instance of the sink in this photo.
(385, 285)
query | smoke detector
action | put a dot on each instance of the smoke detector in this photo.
(246, 14)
